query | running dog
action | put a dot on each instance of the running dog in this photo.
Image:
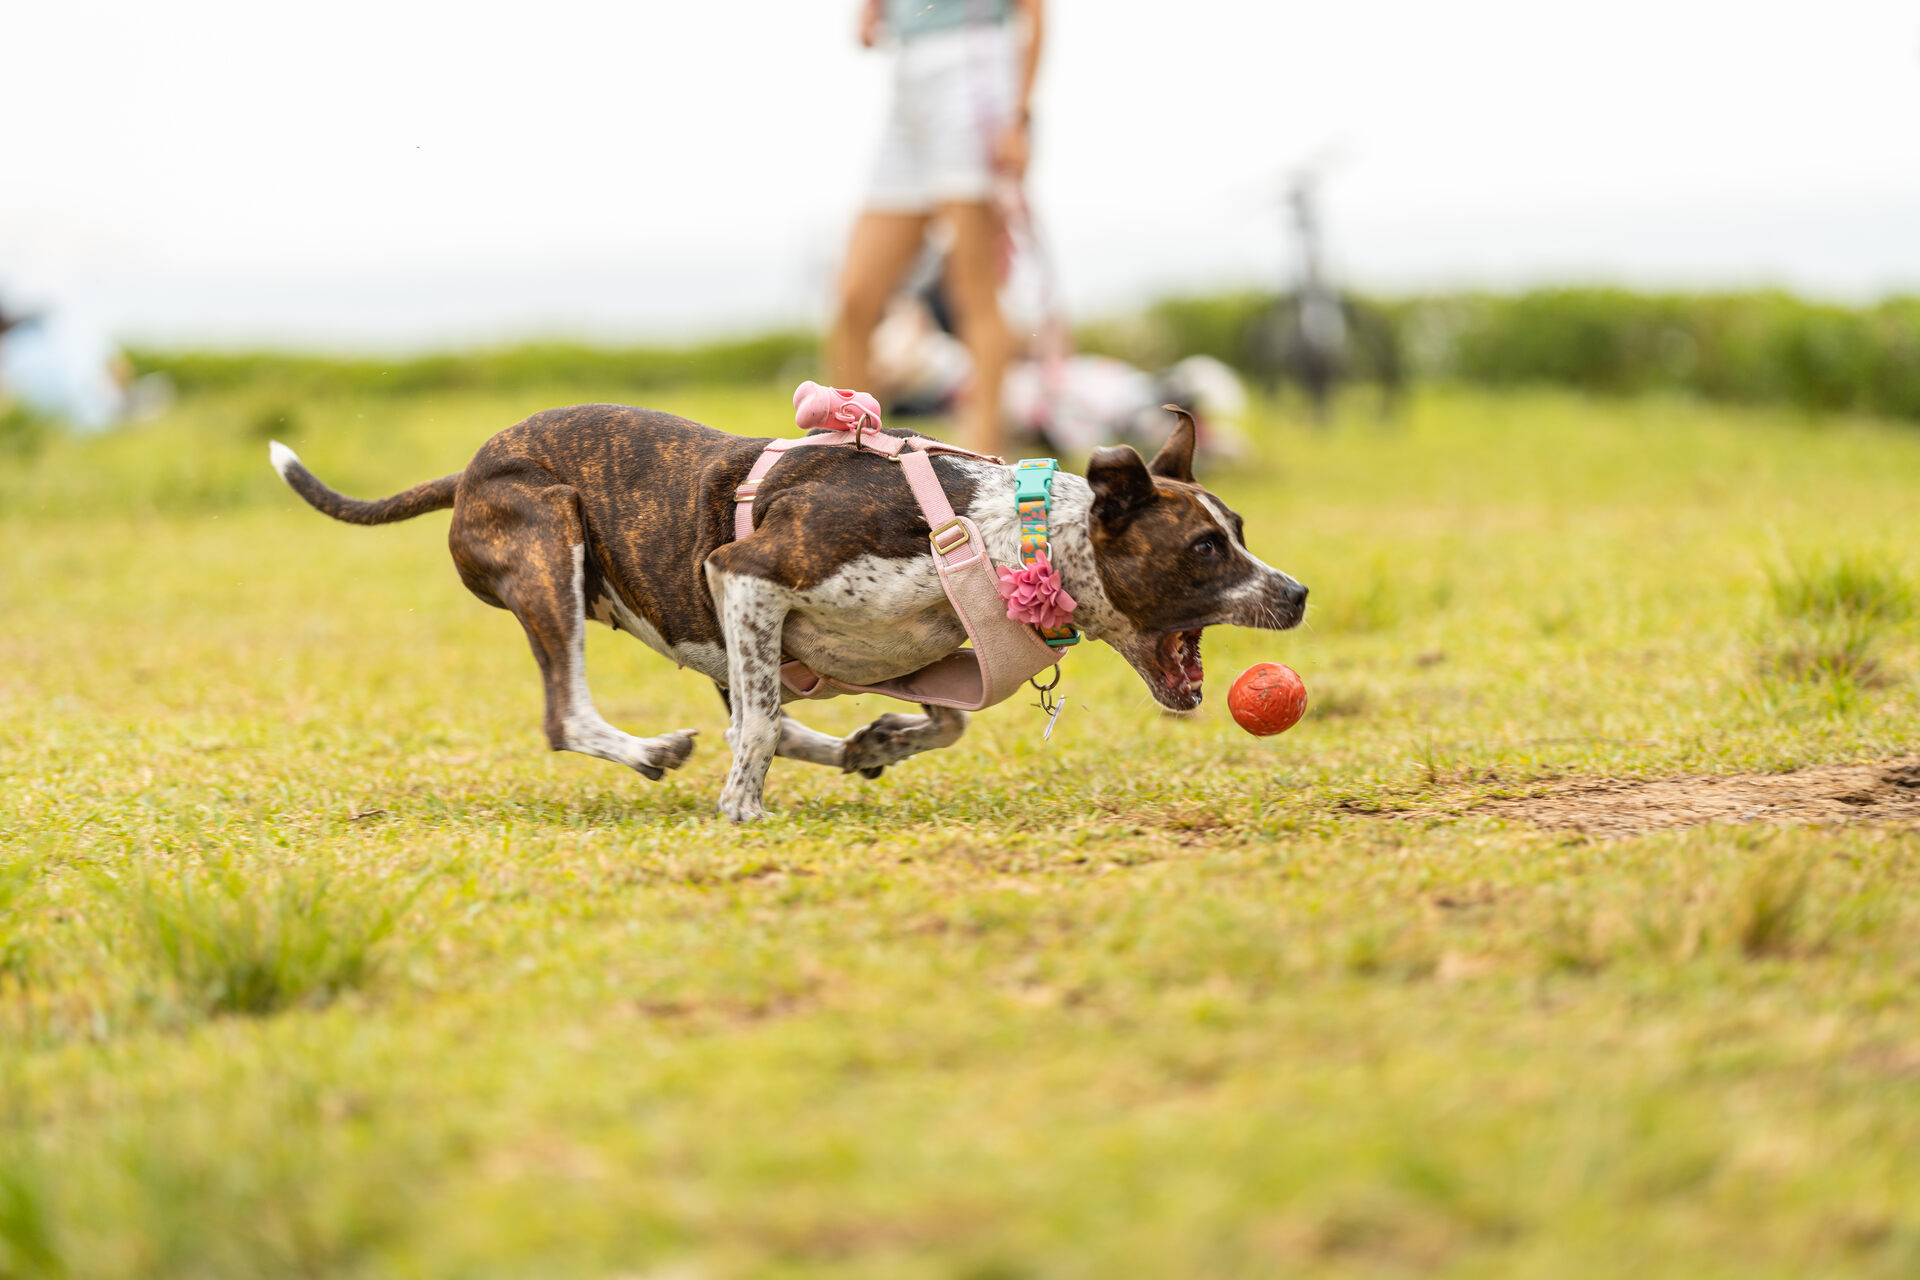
(627, 516)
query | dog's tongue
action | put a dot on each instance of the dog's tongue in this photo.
(1194, 671)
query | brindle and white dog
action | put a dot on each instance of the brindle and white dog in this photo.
(626, 516)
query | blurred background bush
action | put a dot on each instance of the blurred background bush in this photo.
(763, 358)
(1753, 348)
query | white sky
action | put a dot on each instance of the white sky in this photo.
(404, 174)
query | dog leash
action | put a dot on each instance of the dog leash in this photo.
(999, 610)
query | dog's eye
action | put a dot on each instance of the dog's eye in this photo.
(1206, 548)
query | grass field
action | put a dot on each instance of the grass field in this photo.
(315, 962)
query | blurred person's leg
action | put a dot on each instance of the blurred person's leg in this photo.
(883, 246)
(973, 287)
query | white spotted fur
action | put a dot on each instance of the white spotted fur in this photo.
(752, 611)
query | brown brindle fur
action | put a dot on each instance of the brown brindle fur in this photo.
(1133, 552)
(654, 490)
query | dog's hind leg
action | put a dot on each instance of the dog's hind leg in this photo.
(869, 749)
(797, 742)
(529, 548)
(894, 737)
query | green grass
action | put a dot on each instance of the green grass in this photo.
(1831, 614)
(314, 961)
(250, 940)
(1844, 584)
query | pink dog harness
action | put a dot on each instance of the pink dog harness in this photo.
(1005, 653)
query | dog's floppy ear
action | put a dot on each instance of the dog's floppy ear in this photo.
(1121, 486)
(1175, 459)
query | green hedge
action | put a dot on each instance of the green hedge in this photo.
(543, 364)
(1765, 347)
(1751, 347)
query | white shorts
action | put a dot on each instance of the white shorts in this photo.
(952, 95)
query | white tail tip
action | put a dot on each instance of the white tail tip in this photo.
(282, 456)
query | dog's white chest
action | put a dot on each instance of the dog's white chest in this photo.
(873, 620)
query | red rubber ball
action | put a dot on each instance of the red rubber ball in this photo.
(1268, 698)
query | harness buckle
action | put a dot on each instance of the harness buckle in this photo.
(1033, 479)
(950, 526)
(745, 492)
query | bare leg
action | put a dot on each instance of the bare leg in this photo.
(973, 286)
(883, 246)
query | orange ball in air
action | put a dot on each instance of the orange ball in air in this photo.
(1268, 698)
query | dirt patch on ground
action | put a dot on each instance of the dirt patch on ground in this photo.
(1886, 792)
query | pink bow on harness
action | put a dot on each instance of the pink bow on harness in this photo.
(830, 409)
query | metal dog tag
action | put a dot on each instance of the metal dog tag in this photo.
(1048, 703)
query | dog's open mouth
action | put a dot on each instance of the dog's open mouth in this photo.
(1179, 670)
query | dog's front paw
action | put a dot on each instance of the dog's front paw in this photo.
(737, 805)
(871, 748)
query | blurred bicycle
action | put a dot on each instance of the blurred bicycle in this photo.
(1315, 335)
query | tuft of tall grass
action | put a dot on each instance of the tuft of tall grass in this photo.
(1742, 894)
(233, 944)
(1769, 909)
(1835, 653)
(1828, 614)
(1841, 586)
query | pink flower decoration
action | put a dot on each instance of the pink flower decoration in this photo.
(1034, 595)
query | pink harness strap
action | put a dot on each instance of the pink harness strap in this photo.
(1004, 653)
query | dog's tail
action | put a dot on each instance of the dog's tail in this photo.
(434, 495)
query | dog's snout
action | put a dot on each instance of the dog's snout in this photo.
(1293, 600)
(1282, 603)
